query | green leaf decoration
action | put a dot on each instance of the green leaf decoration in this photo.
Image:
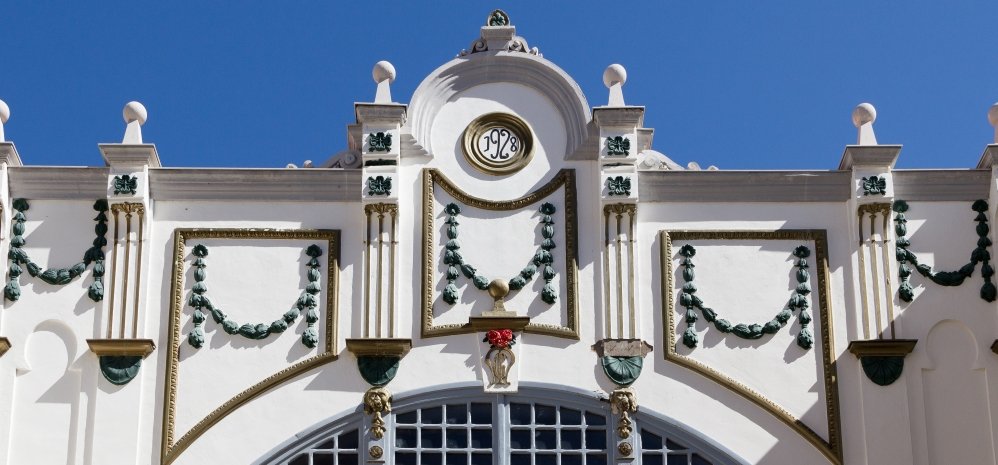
(120, 369)
(618, 186)
(980, 255)
(378, 370)
(125, 184)
(543, 259)
(618, 146)
(379, 142)
(882, 370)
(797, 301)
(56, 276)
(622, 370)
(874, 185)
(379, 185)
(256, 331)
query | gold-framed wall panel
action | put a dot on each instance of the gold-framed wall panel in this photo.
(564, 178)
(169, 449)
(832, 448)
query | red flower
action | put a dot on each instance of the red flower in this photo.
(501, 338)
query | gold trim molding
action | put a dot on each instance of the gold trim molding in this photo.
(490, 121)
(170, 449)
(4, 345)
(127, 347)
(832, 448)
(379, 346)
(564, 178)
(882, 347)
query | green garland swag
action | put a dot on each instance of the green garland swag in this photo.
(944, 278)
(56, 276)
(306, 301)
(798, 301)
(542, 261)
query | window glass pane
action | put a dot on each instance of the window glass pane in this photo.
(545, 439)
(546, 459)
(300, 460)
(405, 437)
(431, 416)
(323, 459)
(519, 439)
(595, 459)
(457, 414)
(457, 458)
(481, 414)
(347, 459)
(328, 444)
(519, 459)
(571, 439)
(407, 418)
(677, 460)
(570, 417)
(431, 438)
(431, 458)
(481, 459)
(348, 440)
(669, 444)
(593, 419)
(571, 459)
(650, 440)
(519, 414)
(457, 438)
(596, 439)
(481, 438)
(651, 459)
(544, 415)
(405, 458)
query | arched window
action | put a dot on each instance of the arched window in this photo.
(537, 426)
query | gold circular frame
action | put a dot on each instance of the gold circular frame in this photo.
(488, 122)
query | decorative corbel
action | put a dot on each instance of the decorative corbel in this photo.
(883, 359)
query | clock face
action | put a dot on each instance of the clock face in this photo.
(498, 143)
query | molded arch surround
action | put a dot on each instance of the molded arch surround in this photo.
(461, 74)
(344, 434)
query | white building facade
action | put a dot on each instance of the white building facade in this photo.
(497, 273)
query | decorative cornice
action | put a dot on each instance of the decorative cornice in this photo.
(882, 347)
(942, 185)
(745, 186)
(989, 157)
(380, 112)
(622, 348)
(122, 347)
(304, 185)
(869, 155)
(629, 116)
(57, 182)
(130, 155)
(379, 346)
(485, 323)
(8, 154)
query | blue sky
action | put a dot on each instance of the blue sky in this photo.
(741, 85)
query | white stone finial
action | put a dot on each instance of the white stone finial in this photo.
(863, 117)
(992, 118)
(4, 117)
(614, 78)
(135, 116)
(383, 74)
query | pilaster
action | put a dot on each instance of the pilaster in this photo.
(122, 344)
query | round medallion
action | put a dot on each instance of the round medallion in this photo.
(498, 143)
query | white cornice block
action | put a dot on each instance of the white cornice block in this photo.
(129, 157)
(8, 154)
(882, 156)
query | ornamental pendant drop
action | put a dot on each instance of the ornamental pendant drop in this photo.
(499, 360)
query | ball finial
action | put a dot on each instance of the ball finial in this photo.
(383, 70)
(614, 74)
(864, 113)
(992, 115)
(134, 111)
(4, 112)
